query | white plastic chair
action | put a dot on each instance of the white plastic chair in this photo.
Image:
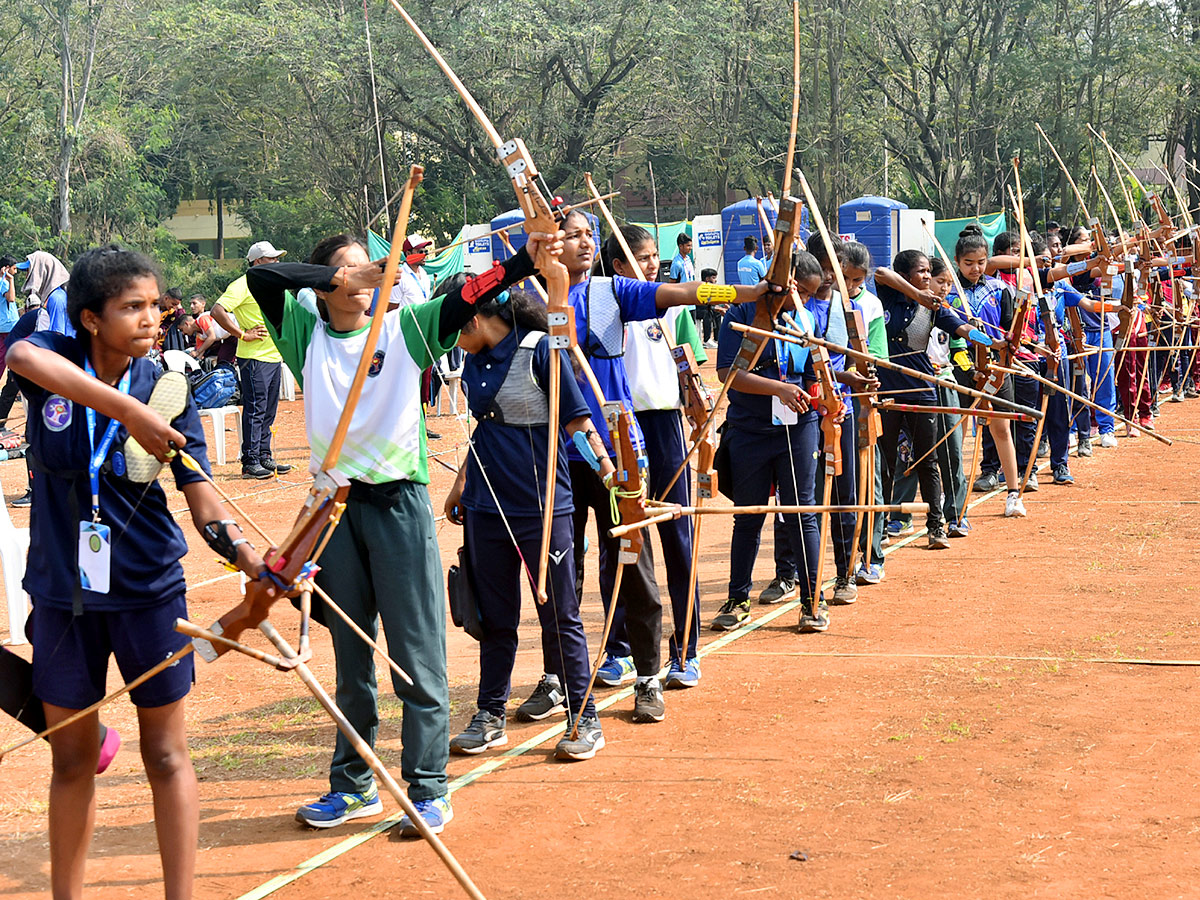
(451, 384)
(219, 414)
(287, 384)
(178, 361)
(14, 546)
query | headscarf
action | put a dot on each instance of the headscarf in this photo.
(46, 274)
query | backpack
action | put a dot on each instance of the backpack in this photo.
(214, 389)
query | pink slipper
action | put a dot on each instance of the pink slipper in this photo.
(109, 745)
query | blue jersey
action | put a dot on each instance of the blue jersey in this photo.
(682, 268)
(56, 310)
(751, 269)
(147, 544)
(8, 311)
(635, 300)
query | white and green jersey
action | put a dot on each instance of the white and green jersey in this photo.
(386, 441)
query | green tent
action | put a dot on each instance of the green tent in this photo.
(947, 229)
(448, 262)
(667, 232)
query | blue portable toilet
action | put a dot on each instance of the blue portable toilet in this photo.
(739, 221)
(514, 221)
(870, 220)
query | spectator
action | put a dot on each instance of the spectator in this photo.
(750, 268)
(8, 303)
(682, 268)
(711, 314)
(259, 366)
(412, 281)
(211, 339)
(171, 314)
(47, 280)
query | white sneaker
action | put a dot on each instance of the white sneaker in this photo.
(1108, 441)
(1013, 506)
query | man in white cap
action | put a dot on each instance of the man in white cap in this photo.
(259, 366)
(412, 281)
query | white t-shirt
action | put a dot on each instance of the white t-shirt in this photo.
(653, 374)
(412, 286)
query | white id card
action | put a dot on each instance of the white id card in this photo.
(782, 415)
(95, 556)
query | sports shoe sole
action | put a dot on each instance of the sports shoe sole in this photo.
(645, 718)
(369, 809)
(676, 683)
(560, 753)
(843, 601)
(813, 628)
(522, 716)
(459, 750)
(624, 679)
(728, 626)
(169, 400)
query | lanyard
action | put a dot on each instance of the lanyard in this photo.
(420, 287)
(98, 454)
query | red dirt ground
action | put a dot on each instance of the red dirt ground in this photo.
(908, 752)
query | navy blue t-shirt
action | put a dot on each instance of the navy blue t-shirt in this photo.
(514, 456)
(147, 543)
(753, 412)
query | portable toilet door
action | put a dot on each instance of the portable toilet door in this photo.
(706, 245)
(739, 221)
(868, 220)
(909, 234)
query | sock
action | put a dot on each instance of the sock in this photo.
(645, 679)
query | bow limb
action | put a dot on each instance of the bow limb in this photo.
(791, 150)
(629, 484)
(1071, 181)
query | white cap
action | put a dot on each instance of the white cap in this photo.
(259, 249)
(415, 243)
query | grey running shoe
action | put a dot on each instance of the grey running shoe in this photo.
(547, 698)
(648, 703)
(588, 739)
(809, 623)
(844, 591)
(485, 730)
(777, 591)
(732, 614)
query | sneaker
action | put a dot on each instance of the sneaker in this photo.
(436, 813)
(1155, 412)
(485, 730)
(810, 624)
(616, 670)
(898, 527)
(254, 470)
(1147, 422)
(683, 676)
(986, 482)
(938, 539)
(24, 500)
(547, 698)
(277, 468)
(1108, 440)
(432, 435)
(778, 590)
(337, 807)
(1062, 475)
(1191, 393)
(872, 574)
(711, 345)
(1177, 397)
(1043, 448)
(588, 739)
(844, 591)
(732, 614)
(1031, 486)
(1013, 506)
(110, 743)
(1084, 448)
(648, 701)
(1131, 432)
(959, 529)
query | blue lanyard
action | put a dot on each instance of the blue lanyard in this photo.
(98, 454)
(420, 287)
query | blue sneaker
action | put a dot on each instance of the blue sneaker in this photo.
(337, 807)
(436, 813)
(616, 670)
(896, 528)
(872, 574)
(1062, 475)
(959, 529)
(683, 676)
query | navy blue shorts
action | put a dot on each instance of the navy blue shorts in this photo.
(70, 655)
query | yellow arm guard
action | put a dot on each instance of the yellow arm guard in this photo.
(715, 293)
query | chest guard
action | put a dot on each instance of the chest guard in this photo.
(605, 330)
(520, 399)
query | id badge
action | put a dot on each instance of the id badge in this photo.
(95, 556)
(782, 415)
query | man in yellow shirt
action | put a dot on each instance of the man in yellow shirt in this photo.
(259, 366)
